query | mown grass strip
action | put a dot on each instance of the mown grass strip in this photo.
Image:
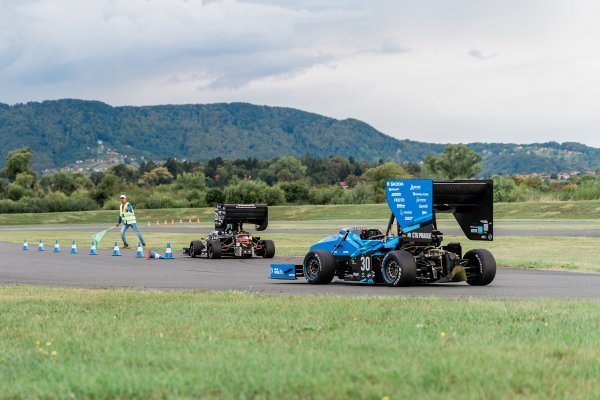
(548, 210)
(75, 343)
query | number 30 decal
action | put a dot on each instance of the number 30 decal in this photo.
(365, 263)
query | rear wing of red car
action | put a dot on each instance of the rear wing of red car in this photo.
(236, 215)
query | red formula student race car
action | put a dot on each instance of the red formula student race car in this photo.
(230, 238)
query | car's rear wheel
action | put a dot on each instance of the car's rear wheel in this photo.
(318, 267)
(481, 267)
(196, 247)
(213, 249)
(269, 248)
(399, 268)
(263, 225)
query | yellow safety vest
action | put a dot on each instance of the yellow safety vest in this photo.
(126, 216)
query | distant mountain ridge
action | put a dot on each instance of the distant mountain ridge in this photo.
(60, 132)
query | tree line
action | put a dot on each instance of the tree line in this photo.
(282, 180)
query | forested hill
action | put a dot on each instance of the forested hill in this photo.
(63, 131)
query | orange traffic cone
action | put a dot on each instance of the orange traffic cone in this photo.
(153, 255)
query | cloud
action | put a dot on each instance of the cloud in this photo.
(391, 47)
(480, 55)
(235, 42)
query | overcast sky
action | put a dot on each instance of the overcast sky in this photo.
(436, 71)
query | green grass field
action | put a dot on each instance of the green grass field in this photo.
(585, 210)
(78, 343)
(73, 343)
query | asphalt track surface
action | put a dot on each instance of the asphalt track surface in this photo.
(105, 271)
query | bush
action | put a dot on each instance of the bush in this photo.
(59, 202)
(15, 191)
(324, 195)
(157, 200)
(295, 192)
(188, 181)
(588, 189)
(248, 191)
(507, 191)
(274, 196)
(361, 194)
(586, 193)
(214, 196)
(196, 198)
(109, 187)
(8, 206)
(54, 202)
(245, 192)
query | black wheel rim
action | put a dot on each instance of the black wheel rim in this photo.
(312, 267)
(392, 270)
(474, 268)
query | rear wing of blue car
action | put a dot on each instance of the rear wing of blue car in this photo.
(471, 203)
(415, 202)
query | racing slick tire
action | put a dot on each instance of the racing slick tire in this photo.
(318, 267)
(269, 247)
(481, 267)
(398, 268)
(263, 225)
(196, 248)
(213, 249)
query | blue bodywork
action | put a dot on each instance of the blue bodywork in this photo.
(282, 271)
(362, 249)
(354, 246)
(411, 202)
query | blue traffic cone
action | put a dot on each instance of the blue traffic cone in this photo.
(93, 251)
(116, 251)
(140, 251)
(41, 246)
(74, 248)
(168, 252)
(154, 255)
(25, 245)
(56, 247)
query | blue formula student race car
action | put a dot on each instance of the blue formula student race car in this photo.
(414, 252)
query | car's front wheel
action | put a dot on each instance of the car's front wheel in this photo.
(213, 249)
(318, 267)
(399, 268)
(269, 248)
(196, 247)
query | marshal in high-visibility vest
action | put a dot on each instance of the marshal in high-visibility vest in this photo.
(127, 218)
